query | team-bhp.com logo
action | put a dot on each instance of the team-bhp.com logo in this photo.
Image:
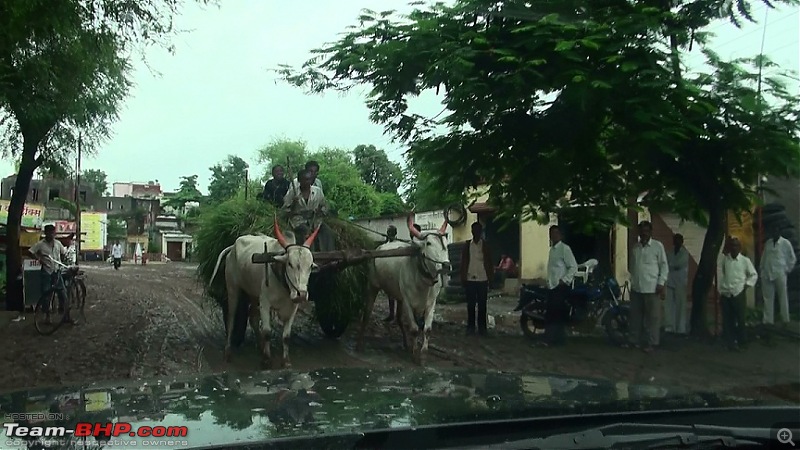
(158, 436)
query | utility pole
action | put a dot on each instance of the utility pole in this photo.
(246, 181)
(78, 234)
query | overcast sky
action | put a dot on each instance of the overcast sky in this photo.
(216, 95)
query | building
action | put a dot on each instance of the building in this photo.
(149, 190)
(429, 220)
(174, 243)
(45, 191)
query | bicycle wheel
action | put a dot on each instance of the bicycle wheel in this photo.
(47, 324)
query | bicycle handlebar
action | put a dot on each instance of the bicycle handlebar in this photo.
(58, 262)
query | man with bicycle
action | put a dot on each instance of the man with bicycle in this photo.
(45, 251)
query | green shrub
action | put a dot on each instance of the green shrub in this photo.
(337, 297)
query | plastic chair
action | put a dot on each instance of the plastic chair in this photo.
(585, 270)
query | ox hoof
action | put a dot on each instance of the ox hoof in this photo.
(287, 364)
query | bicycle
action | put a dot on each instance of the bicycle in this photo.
(71, 278)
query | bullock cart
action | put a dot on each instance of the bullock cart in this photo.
(331, 264)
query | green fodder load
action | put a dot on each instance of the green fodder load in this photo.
(337, 294)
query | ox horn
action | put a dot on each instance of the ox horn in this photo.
(278, 235)
(310, 239)
(443, 228)
(413, 231)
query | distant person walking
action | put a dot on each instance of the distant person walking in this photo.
(777, 260)
(116, 254)
(561, 270)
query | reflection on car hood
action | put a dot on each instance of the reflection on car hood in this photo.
(226, 408)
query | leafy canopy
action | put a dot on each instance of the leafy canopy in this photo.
(227, 178)
(568, 103)
(97, 179)
(342, 178)
(187, 193)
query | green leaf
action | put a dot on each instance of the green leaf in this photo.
(578, 78)
(565, 45)
(590, 44)
(600, 84)
(628, 66)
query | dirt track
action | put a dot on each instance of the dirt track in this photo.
(152, 321)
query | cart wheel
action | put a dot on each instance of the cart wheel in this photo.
(332, 328)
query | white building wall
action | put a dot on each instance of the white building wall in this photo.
(122, 189)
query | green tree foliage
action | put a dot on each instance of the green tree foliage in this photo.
(64, 69)
(575, 103)
(97, 179)
(187, 193)
(344, 189)
(117, 229)
(376, 170)
(291, 154)
(227, 178)
(425, 190)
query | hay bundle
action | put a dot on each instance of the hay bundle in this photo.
(337, 295)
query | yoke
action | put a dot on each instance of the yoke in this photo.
(341, 258)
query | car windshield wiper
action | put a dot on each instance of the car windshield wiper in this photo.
(645, 435)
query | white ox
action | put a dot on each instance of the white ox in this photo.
(278, 286)
(414, 281)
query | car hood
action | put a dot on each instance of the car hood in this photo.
(234, 407)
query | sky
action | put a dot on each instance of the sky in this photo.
(216, 95)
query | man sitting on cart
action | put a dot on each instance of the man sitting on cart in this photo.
(45, 251)
(305, 205)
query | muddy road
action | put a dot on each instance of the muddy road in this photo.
(153, 321)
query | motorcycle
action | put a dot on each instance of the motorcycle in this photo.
(593, 301)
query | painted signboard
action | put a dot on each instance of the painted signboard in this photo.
(94, 225)
(32, 214)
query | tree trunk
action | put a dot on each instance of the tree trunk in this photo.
(28, 164)
(706, 269)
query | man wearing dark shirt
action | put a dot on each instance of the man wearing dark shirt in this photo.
(276, 188)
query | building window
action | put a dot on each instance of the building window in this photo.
(52, 195)
(83, 196)
(108, 206)
(121, 206)
(35, 195)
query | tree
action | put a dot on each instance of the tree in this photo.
(425, 191)
(390, 204)
(376, 170)
(226, 179)
(64, 68)
(187, 193)
(291, 154)
(572, 115)
(345, 191)
(117, 229)
(97, 179)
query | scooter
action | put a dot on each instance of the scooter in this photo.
(596, 301)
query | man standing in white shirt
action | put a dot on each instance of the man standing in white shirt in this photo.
(476, 271)
(675, 313)
(561, 269)
(777, 260)
(734, 273)
(116, 254)
(649, 271)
